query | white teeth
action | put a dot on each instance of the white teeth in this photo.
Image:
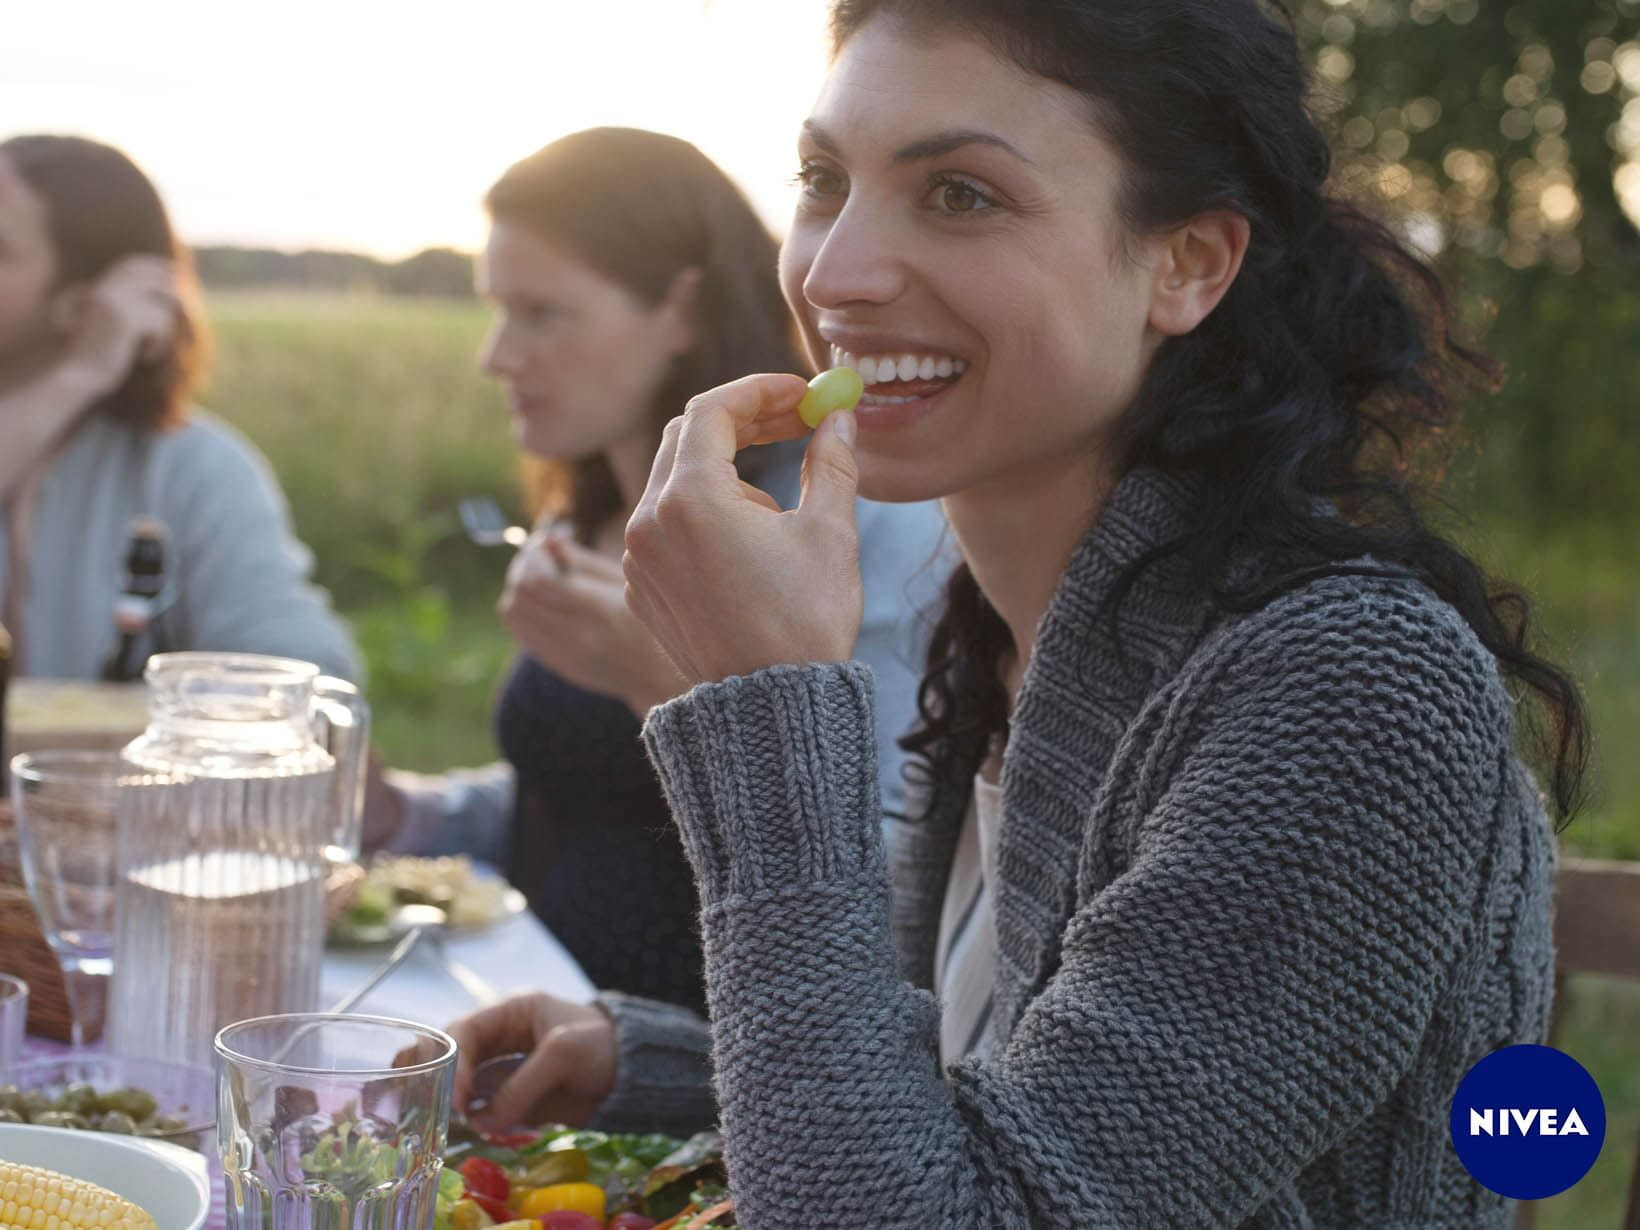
(882, 369)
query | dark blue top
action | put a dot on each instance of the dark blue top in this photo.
(592, 844)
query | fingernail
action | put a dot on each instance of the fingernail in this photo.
(846, 426)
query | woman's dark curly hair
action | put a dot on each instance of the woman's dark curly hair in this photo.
(1310, 390)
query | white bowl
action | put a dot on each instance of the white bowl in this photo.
(168, 1181)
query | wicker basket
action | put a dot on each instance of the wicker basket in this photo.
(23, 949)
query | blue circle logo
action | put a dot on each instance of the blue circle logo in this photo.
(1528, 1122)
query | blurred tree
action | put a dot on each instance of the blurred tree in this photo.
(1505, 136)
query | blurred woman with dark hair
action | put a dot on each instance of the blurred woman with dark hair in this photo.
(627, 272)
(102, 349)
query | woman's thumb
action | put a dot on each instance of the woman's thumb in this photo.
(831, 473)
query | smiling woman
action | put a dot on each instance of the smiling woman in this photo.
(625, 272)
(1224, 869)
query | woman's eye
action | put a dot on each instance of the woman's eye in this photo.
(958, 196)
(817, 179)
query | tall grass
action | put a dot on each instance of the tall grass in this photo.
(374, 415)
(376, 420)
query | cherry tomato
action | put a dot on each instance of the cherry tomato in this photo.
(630, 1221)
(484, 1178)
(569, 1219)
(497, 1209)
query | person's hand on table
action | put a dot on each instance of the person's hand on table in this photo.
(571, 1064)
(726, 581)
(565, 605)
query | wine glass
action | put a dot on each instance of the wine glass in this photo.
(67, 812)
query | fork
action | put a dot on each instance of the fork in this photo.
(486, 525)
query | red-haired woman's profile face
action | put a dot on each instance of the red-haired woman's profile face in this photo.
(581, 357)
(27, 270)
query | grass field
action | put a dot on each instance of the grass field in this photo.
(376, 420)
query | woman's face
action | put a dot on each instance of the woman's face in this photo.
(957, 238)
(27, 270)
(582, 358)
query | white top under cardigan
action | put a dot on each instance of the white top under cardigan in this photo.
(965, 962)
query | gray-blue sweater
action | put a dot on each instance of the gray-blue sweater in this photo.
(1267, 887)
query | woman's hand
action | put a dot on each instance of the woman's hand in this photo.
(565, 605)
(571, 1064)
(129, 314)
(726, 582)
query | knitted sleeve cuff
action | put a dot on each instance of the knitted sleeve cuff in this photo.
(663, 1077)
(772, 777)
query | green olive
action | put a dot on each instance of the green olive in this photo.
(160, 1125)
(839, 388)
(138, 1103)
(79, 1100)
(117, 1121)
(32, 1102)
(60, 1119)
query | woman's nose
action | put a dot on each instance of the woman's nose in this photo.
(500, 355)
(857, 261)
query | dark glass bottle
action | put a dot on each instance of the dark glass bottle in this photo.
(135, 608)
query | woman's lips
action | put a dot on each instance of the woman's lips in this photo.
(900, 403)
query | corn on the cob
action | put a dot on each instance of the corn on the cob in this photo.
(35, 1199)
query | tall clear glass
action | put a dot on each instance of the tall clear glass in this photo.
(323, 1126)
(226, 821)
(67, 809)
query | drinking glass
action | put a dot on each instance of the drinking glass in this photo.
(318, 1128)
(67, 810)
(13, 1016)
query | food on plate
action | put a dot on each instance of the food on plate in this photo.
(837, 388)
(468, 898)
(32, 1196)
(128, 1111)
(568, 1179)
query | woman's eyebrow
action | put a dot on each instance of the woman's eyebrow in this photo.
(933, 146)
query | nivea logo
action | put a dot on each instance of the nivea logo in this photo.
(1540, 1120)
(1527, 1122)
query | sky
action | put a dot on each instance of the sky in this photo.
(376, 127)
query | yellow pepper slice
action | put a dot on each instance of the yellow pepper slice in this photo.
(585, 1198)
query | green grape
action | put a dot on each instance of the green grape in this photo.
(837, 389)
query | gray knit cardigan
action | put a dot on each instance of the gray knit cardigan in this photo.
(1268, 886)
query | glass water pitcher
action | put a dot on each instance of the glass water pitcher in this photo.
(246, 786)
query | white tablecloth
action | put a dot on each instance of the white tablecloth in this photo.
(516, 955)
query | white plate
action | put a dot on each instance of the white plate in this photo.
(169, 1182)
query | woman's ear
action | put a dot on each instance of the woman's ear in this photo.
(1199, 261)
(680, 310)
